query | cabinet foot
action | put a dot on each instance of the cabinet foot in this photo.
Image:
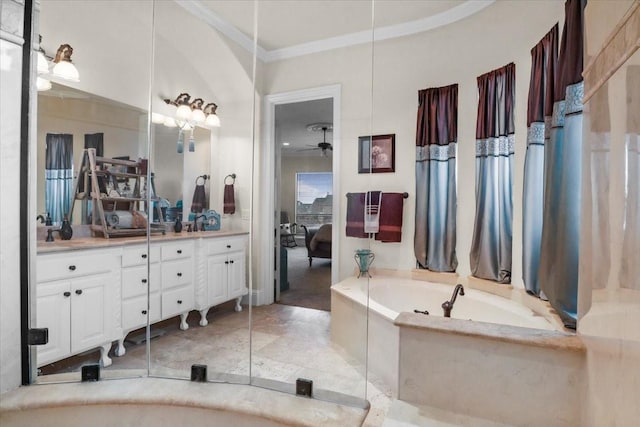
(238, 307)
(203, 317)
(183, 321)
(105, 360)
(120, 350)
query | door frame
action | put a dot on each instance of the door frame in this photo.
(269, 179)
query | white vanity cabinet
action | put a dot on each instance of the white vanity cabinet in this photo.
(224, 276)
(76, 299)
(178, 291)
(139, 280)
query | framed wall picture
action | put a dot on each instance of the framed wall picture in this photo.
(377, 153)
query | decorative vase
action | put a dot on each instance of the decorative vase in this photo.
(66, 232)
(363, 258)
(177, 227)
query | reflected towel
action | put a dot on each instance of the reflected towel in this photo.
(372, 211)
(391, 218)
(229, 206)
(355, 215)
(199, 199)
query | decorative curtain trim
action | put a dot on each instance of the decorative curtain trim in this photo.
(440, 153)
(573, 99)
(536, 133)
(494, 147)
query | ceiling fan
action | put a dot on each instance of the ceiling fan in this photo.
(324, 145)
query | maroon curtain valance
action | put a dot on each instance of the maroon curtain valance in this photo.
(544, 63)
(571, 48)
(496, 102)
(437, 116)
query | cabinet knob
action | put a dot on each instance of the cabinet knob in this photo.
(78, 291)
(144, 255)
(67, 294)
(179, 301)
(144, 280)
(231, 261)
(179, 251)
(144, 311)
(228, 246)
(226, 262)
(179, 274)
(72, 267)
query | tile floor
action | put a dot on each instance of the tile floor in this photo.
(286, 343)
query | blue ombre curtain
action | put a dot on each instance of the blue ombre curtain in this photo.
(561, 219)
(58, 175)
(544, 59)
(492, 233)
(436, 136)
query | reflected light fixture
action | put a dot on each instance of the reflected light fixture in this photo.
(62, 68)
(188, 115)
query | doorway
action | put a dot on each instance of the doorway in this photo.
(309, 146)
(304, 135)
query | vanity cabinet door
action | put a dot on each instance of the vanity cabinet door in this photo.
(237, 283)
(217, 266)
(53, 301)
(91, 307)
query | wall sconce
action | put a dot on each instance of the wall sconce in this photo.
(188, 115)
(63, 67)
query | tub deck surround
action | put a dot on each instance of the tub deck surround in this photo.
(501, 333)
(91, 291)
(376, 308)
(165, 402)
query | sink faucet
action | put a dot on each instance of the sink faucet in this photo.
(448, 305)
(195, 222)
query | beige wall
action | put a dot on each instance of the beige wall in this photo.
(403, 66)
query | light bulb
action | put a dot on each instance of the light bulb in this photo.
(183, 112)
(42, 84)
(43, 65)
(157, 118)
(66, 70)
(197, 115)
(213, 121)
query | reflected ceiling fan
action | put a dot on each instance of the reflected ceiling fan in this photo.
(324, 146)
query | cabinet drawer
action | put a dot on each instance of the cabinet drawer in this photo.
(70, 265)
(134, 311)
(176, 273)
(135, 280)
(138, 255)
(177, 250)
(177, 301)
(227, 244)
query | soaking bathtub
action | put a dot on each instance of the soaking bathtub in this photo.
(491, 346)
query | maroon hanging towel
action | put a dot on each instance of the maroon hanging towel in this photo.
(391, 218)
(355, 215)
(229, 199)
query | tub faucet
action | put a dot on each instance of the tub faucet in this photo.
(448, 305)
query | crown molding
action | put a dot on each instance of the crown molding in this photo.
(447, 17)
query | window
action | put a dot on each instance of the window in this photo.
(313, 198)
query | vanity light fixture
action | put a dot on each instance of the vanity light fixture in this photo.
(188, 115)
(62, 68)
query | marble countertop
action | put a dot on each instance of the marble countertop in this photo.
(88, 242)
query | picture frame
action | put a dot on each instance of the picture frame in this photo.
(377, 154)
